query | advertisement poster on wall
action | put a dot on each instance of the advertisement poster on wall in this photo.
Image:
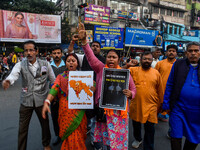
(89, 36)
(20, 26)
(109, 37)
(98, 15)
(131, 15)
(141, 37)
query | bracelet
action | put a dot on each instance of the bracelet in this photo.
(47, 101)
(83, 44)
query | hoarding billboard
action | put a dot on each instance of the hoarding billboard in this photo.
(109, 37)
(95, 14)
(20, 26)
(131, 15)
(140, 37)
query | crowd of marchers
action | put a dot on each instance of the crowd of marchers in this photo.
(167, 89)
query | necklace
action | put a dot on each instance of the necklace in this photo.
(19, 25)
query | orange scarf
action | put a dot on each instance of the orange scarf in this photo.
(123, 113)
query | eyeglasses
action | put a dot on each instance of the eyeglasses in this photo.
(29, 50)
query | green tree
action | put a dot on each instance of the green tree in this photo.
(65, 31)
(31, 6)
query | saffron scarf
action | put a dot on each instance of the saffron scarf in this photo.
(110, 112)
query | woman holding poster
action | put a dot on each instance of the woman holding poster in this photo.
(114, 132)
(72, 122)
(18, 28)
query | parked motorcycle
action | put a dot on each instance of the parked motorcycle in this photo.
(4, 71)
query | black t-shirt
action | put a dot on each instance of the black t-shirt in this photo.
(86, 66)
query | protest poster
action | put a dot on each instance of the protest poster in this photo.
(113, 84)
(80, 95)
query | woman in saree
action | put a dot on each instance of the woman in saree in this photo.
(18, 28)
(72, 122)
(114, 132)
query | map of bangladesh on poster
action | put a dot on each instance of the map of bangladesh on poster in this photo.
(80, 92)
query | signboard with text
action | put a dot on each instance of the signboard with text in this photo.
(140, 37)
(95, 14)
(131, 15)
(109, 37)
(113, 84)
(21, 26)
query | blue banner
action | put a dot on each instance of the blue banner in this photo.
(181, 46)
(142, 38)
(131, 15)
(109, 37)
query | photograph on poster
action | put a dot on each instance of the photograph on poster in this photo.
(21, 26)
(114, 82)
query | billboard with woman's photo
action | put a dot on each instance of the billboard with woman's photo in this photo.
(20, 26)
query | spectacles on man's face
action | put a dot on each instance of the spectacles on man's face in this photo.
(29, 50)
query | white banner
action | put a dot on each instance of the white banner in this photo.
(80, 94)
(21, 26)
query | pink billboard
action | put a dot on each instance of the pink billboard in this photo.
(98, 15)
(20, 26)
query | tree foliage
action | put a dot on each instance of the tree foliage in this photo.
(31, 6)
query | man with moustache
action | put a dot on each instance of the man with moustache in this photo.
(58, 66)
(164, 68)
(149, 96)
(182, 98)
(35, 88)
(156, 52)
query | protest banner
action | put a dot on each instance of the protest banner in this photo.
(80, 95)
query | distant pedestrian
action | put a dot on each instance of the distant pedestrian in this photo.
(156, 52)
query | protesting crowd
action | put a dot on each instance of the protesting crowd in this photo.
(166, 89)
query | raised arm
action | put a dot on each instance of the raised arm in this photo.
(71, 45)
(94, 62)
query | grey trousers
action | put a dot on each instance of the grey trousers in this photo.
(24, 120)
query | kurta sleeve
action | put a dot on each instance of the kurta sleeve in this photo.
(94, 62)
(56, 86)
(160, 90)
(132, 87)
(168, 90)
(157, 67)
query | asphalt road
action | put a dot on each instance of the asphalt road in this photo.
(9, 120)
